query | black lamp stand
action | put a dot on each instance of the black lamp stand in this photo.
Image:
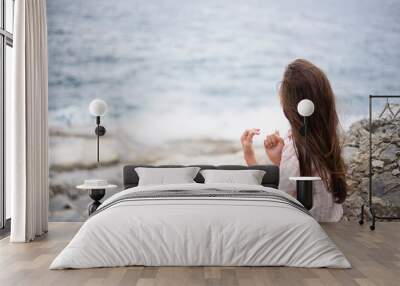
(100, 131)
(305, 187)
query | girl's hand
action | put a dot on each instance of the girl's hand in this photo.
(247, 145)
(273, 145)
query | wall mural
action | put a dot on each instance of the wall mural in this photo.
(183, 79)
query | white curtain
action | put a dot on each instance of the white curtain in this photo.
(26, 119)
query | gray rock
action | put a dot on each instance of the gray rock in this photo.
(390, 153)
(361, 167)
(396, 172)
(349, 153)
(390, 167)
(377, 164)
(60, 202)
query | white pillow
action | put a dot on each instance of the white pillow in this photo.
(165, 176)
(248, 177)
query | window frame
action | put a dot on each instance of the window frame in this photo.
(6, 39)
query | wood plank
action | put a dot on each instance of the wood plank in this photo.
(375, 257)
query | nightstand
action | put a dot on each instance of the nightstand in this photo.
(304, 188)
(97, 190)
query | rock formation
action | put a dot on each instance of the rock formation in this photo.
(385, 166)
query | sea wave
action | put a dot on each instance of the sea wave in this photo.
(202, 68)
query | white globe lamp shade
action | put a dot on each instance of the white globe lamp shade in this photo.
(305, 107)
(98, 107)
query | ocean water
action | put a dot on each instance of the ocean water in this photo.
(179, 69)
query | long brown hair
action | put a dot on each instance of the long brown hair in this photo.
(304, 80)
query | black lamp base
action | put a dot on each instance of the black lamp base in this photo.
(305, 193)
(96, 195)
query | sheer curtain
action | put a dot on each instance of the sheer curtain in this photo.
(26, 119)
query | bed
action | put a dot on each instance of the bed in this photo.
(198, 224)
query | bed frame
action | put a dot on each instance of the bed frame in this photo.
(270, 179)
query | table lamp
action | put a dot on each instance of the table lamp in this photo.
(304, 185)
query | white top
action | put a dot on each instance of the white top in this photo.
(92, 187)
(324, 208)
(305, 178)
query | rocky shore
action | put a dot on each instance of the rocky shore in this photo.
(72, 159)
(385, 166)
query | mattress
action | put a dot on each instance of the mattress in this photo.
(201, 225)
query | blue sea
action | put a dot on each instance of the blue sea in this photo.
(179, 69)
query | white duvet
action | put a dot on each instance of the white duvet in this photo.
(200, 231)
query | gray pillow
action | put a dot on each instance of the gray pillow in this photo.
(165, 176)
(248, 177)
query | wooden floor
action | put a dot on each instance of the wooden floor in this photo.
(375, 257)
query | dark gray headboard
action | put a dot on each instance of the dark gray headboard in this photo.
(271, 178)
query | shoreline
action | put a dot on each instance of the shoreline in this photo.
(73, 159)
